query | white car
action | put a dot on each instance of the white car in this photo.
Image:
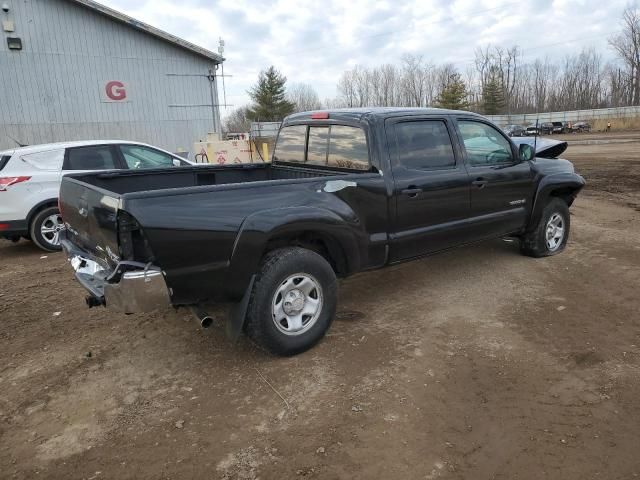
(30, 181)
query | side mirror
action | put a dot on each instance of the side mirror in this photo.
(177, 163)
(526, 152)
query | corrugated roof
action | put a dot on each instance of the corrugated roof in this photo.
(156, 32)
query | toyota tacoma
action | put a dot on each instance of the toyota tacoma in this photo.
(346, 191)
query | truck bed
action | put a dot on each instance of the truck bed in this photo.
(128, 181)
(103, 211)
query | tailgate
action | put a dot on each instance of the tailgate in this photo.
(90, 215)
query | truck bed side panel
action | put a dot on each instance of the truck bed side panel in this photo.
(192, 235)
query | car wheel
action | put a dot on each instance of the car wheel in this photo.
(552, 232)
(293, 301)
(45, 229)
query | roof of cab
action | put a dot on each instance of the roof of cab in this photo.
(359, 113)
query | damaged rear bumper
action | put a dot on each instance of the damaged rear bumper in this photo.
(131, 287)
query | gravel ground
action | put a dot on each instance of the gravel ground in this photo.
(477, 363)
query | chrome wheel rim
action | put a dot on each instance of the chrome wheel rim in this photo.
(51, 228)
(555, 232)
(297, 304)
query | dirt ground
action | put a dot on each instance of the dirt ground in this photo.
(474, 364)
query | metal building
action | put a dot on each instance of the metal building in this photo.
(77, 70)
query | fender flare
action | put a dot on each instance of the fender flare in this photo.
(259, 228)
(565, 181)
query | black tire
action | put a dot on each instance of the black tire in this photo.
(277, 267)
(534, 243)
(35, 229)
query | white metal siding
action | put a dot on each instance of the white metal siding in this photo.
(50, 91)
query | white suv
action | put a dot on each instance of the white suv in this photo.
(30, 181)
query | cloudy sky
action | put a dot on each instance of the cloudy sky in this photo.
(315, 41)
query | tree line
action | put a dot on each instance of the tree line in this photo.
(497, 81)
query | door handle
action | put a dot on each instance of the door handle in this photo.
(480, 182)
(412, 191)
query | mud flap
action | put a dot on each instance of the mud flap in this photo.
(238, 314)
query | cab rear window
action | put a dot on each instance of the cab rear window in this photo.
(348, 148)
(291, 144)
(335, 146)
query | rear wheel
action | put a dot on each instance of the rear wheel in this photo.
(293, 301)
(45, 229)
(552, 232)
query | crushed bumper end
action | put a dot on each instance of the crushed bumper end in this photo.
(138, 291)
(129, 288)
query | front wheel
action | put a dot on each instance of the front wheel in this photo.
(552, 232)
(45, 229)
(293, 301)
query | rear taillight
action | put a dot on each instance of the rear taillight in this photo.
(8, 181)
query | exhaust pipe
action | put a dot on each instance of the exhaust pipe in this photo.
(93, 301)
(203, 317)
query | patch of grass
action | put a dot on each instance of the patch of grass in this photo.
(617, 124)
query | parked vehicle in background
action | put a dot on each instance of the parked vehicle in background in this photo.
(30, 181)
(532, 130)
(546, 128)
(347, 191)
(560, 127)
(514, 130)
(581, 127)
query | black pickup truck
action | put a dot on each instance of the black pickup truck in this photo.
(347, 191)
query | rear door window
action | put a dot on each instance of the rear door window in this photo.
(50, 160)
(291, 144)
(424, 145)
(348, 148)
(139, 156)
(99, 157)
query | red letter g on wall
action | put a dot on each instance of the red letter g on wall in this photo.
(115, 90)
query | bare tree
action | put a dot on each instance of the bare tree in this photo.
(347, 89)
(578, 81)
(414, 81)
(237, 121)
(627, 46)
(304, 97)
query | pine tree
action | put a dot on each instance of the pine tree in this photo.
(493, 96)
(270, 104)
(454, 95)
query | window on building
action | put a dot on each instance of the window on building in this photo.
(424, 145)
